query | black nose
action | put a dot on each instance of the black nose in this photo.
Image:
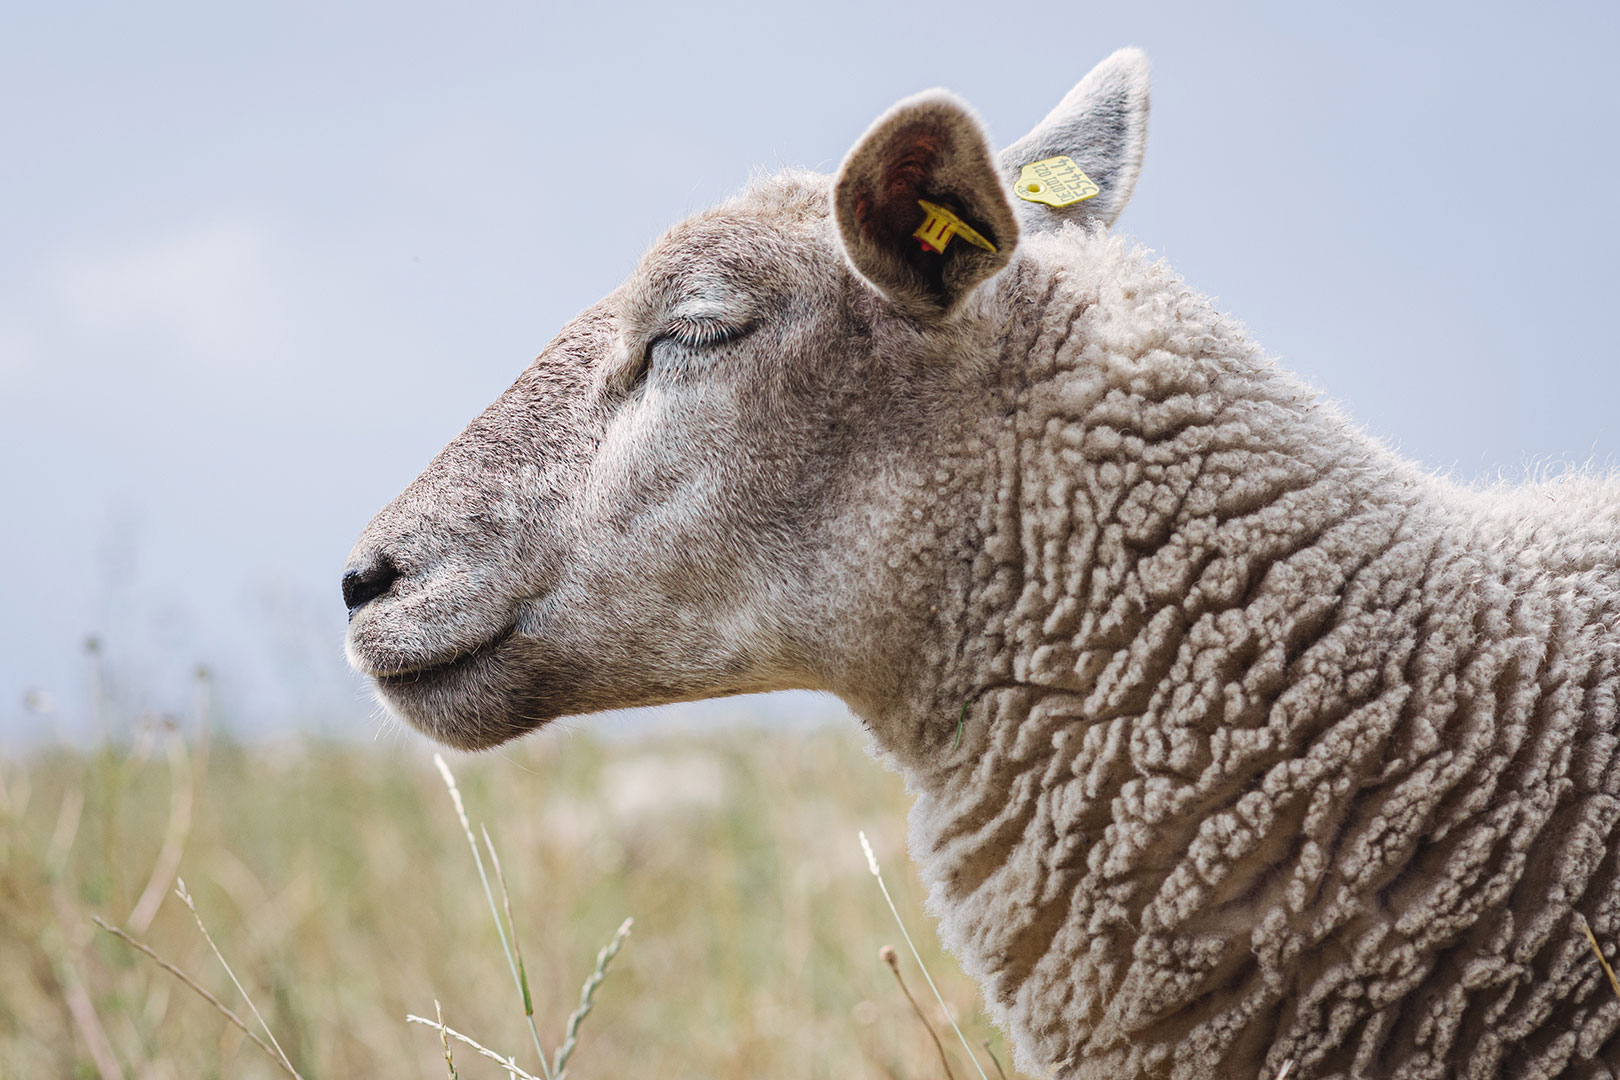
(364, 584)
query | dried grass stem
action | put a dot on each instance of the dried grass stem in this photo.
(506, 1063)
(444, 1038)
(1607, 970)
(185, 897)
(893, 961)
(223, 1009)
(872, 865)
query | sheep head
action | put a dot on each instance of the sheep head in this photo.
(700, 486)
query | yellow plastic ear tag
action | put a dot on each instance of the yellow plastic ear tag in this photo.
(1055, 181)
(940, 225)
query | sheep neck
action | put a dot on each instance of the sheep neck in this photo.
(1227, 665)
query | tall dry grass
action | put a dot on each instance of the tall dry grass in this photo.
(337, 882)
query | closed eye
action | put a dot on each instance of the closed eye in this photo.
(692, 333)
(698, 332)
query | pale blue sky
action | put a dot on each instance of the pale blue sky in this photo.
(256, 266)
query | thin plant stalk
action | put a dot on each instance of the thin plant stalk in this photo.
(872, 864)
(444, 1037)
(185, 897)
(505, 1062)
(65, 834)
(96, 677)
(511, 927)
(887, 955)
(994, 1060)
(81, 1008)
(489, 894)
(1607, 970)
(223, 1009)
(83, 1012)
(201, 706)
(77, 998)
(183, 786)
(587, 997)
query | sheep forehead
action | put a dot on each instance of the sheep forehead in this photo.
(733, 258)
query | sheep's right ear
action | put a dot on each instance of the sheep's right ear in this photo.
(927, 149)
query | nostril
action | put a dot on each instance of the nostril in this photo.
(364, 584)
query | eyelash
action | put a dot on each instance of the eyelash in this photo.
(692, 333)
(697, 333)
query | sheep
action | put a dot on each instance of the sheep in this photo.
(1239, 744)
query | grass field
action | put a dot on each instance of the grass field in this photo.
(338, 883)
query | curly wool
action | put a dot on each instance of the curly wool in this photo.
(1278, 750)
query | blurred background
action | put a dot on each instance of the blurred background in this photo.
(260, 262)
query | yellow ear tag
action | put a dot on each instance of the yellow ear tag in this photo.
(1055, 181)
(940, 225)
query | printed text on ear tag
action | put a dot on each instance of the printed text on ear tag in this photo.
(940, 225)
(1055, 181)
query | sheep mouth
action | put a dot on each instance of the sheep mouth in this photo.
(477, 699)
(438, 671)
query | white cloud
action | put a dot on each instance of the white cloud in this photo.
(209, 291)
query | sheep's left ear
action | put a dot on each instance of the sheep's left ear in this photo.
(927, 149)
(1100, 126)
